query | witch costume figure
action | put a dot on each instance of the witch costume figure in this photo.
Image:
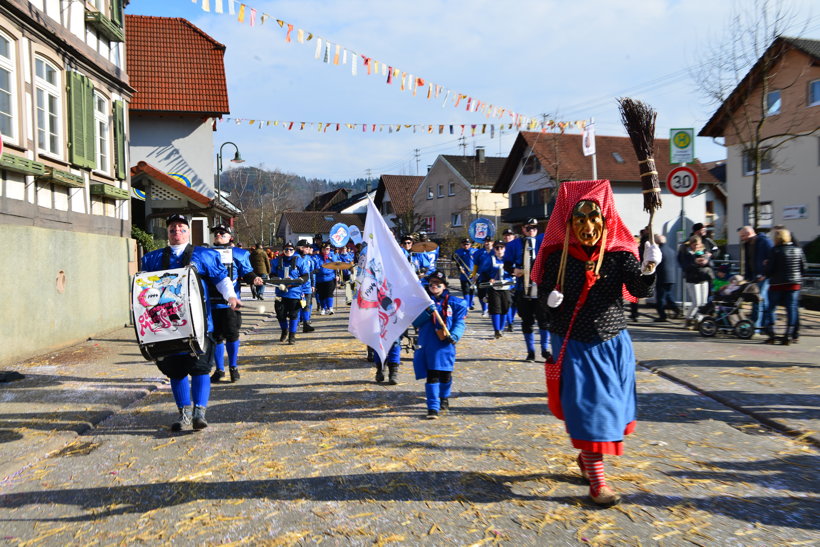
(587, 264)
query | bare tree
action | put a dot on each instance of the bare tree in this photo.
(737, 74)
(263, 196)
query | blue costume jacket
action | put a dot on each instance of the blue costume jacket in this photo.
(322, 274)
(488, 269)
(309, 265)
(289, 268)
(208, 263)
(240, 267)
(435, 354)
(467, 258)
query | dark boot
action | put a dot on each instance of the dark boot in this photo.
(445, 404)
(217, 376)
(498, 334)
(291, 338)
(307, 327)
(284, 336)
(379, 374)
(393, 372)
(184, 419)
(370, 354)
(530, 356)
(234, 374)
(546, 355)
(199, 418)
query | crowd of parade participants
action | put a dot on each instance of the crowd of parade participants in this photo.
(569, 286)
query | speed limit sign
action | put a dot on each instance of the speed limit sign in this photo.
(682, 181)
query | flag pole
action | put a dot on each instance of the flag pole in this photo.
(442, 323)
(594, 156)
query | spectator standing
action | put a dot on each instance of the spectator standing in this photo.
(664, 280)
(755, 251)
(697, 271)
(261, 267)
(784, 271)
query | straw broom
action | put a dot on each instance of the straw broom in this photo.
(639, 120)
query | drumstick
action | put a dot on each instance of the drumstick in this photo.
(252, 306)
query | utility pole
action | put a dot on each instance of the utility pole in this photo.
(369, 174)
(417, 160)
(462, 142)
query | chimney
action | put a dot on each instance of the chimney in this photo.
(479, 154)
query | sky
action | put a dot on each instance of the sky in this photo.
(568, 59)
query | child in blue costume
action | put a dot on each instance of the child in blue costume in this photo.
(436, 355)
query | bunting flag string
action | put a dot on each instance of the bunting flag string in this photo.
(429, 128)
(336, 54)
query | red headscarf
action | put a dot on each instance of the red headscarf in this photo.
(618, 237)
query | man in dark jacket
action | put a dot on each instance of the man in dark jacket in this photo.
(664, 283)
(755, 251)
(261, 267)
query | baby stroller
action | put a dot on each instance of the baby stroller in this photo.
(726, 315)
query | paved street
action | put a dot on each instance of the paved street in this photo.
(307, 448)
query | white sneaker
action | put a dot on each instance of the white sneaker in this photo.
(322, 312)
(485, 314)
(330, 311)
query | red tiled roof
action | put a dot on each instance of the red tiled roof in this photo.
(143, 168)
(174, 66)
(401, 188)
(562, 157)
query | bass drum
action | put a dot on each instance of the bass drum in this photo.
(168, 311)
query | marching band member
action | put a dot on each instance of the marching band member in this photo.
(526, 292)
(508, 237)
(214, 277)
(306, 254)
(227, 322)
(499, 282)
(587, 265)
(436, 355)
(431, 256)
(464, 257)
(479, 257)
(325, 279)
(288, 303)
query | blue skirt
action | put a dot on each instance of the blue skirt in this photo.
(598, 394)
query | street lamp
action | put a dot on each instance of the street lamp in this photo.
(237, 158)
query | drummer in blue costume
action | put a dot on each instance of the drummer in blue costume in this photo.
(227, 322)
(305, 252)
(436, 355)
(499, 282)
(508, 236)
(288, 304)
(325, 279)
(481, 292)
(214, 278)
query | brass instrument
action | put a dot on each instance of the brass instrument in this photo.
(463, 269)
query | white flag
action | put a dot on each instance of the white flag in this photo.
(588, 139)
(390, 296)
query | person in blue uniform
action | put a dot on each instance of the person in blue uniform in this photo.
(520, 256)
(326, 279)
(346, 254)
(508, 237)
(288, 304)
(392, 361)
(305, 252)
(499, 283)
(430, 256)
(481, 292)
(213, 278)
(436, 355)
(227, 322)
(464, 258)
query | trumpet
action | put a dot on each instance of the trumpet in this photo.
(463, 269)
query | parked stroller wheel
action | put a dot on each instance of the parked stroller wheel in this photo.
(744, 329)
(708, 327)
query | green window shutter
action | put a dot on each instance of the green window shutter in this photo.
(76, 119)
(116, 12)
(119, 138)
(81, 143)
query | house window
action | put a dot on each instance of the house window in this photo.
(618, 158)
(773, 103)
(101, 131)
(430, 192)
(451, 190)
(766, 214)
(814, 93)
(749, 164)
(455, 219)
(430, 223)
(441, 190)
(531, 165)
(47, 90)
(7, 88)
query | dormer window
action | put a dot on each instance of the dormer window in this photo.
(618, 158)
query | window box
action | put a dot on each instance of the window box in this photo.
(63, 178)
(104, 26)
(21, 165)
(108, 191)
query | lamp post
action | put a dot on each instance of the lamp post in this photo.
(237, 158)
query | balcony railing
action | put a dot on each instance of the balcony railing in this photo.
(539, 211)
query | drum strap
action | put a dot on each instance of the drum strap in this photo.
(186, 256)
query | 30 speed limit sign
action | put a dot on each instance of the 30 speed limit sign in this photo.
(682, 181)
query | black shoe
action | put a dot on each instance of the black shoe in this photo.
(498, 334)
(633, 318)
(770, 340)
(393, 372)
(379, 375)
(260, 297)
(530, 356)
(284, 336)
(234, 374)
(445, 404)
(307, 327)
(370, 355)
(546, 355)
(509, 327)
(198, 420)
(432, 414)
(291, 338)
(184, 419)
(661, 320)
(217, 376)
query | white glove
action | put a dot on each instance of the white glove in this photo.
(283, 287)
(651, 258)
(554, 299)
